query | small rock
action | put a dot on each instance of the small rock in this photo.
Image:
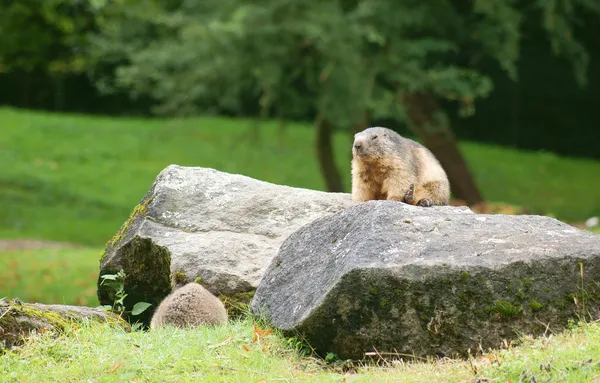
(18, 319)
(592, 222)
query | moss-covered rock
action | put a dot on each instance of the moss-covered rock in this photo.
(237, 305)
(147, 277)
(138, 212)
(18, 319)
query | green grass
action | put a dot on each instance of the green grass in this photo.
(50, 275)
(543, 182)
(228, 353)
(76, 178)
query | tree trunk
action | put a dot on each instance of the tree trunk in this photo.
(324, 147)
(281, 125)
(59, 92)
(26, 82)
(430, 124)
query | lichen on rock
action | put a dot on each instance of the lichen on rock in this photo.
(139, 212)
(19, 319)
(237, 305)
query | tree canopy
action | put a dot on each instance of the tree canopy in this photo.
(340, 58)
(49, 35)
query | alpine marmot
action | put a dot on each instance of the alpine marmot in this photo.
(189, 305)
(386, 165)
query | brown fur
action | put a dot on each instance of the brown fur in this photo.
(388, 166)
(188, 306)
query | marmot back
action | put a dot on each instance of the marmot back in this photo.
(388, 166)
(189, 305)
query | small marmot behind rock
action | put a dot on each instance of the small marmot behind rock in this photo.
(386, 165)
(188, 306)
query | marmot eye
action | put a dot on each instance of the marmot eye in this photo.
(374, 137)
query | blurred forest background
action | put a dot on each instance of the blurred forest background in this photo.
(98, 96)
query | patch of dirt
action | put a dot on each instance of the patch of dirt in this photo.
(28, 244)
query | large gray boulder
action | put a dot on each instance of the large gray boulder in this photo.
(391, 277)
(223, 228)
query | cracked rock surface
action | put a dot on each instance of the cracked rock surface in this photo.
(389, 277)
(223, 228)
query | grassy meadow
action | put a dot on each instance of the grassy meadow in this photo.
(240, 352)
(75, 179)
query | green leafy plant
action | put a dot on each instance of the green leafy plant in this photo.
(117, 282)
(330, 357)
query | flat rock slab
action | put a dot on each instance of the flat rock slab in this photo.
(223, 228)
(439, 281)
(18, 319)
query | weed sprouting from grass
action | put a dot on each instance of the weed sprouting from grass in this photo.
(582, 297)
(117, 283)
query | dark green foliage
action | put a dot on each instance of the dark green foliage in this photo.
(335, 58)
(343, 59)
(48, 35)
(44, 46)
(293, 59)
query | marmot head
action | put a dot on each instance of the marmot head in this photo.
(374, 143)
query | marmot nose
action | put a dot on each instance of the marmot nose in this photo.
(357, 146)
